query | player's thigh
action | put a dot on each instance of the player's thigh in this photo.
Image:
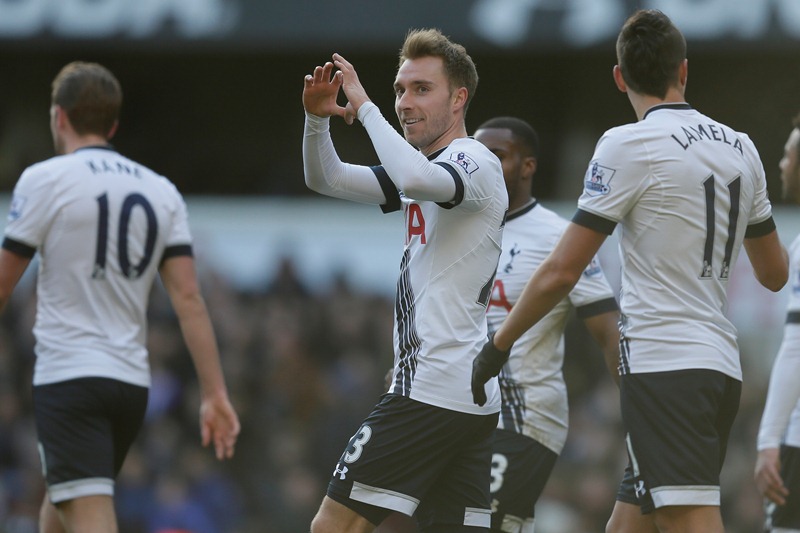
(521, 467)
(90, 514)
(786, 518)
(85, 426)
(678, 425)
(627, 517)
(459, 500)
(333, 517)
(398, 523)
(399, 453)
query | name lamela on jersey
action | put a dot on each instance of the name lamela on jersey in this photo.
(707, 132)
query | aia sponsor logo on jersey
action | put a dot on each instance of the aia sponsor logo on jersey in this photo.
(464, 161)
(597, 179)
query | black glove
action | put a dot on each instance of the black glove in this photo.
(486, 365)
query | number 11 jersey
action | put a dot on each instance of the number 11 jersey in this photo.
(686, 190)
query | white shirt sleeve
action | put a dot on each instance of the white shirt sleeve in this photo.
(325, 173)
(409, 169)
(784, 390)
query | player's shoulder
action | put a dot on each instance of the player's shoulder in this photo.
(44, 172)
(149, 177)
(50, 165)
(539, 223)
(468, 146)
(545, 219)
(472, 157)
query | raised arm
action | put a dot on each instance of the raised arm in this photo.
(409, 169)
(218, 420)
(324, 172)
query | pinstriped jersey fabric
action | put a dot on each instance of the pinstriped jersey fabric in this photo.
(448, 265)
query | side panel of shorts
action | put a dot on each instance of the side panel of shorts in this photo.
(85, 428)
(521, 467)
(787, 516)
(678, 425)
(407, 452)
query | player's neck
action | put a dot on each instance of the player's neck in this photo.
(83, 141)
(643, 102)
(519, 205)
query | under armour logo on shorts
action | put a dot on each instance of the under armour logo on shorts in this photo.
(340, 471)
(639, 489)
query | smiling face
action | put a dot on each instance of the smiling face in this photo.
(790, 167)
(426, 106)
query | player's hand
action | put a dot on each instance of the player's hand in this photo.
(320, 90)
(356, 95)
(486, 365)
(768, 476)
(220, 423)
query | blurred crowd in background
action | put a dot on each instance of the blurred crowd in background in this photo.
(212, 100)
(304, 366)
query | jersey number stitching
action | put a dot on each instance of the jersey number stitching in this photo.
(734, 191)
(128, 270)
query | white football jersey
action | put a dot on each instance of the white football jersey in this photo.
(685, 190)
(446, 275)
(101, 224)
(532, 383)
(781, 419)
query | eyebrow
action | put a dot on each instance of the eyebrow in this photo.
(414, 83)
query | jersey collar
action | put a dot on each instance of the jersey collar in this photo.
(108, 147)
(518, 212)
(436, 154)
(677, 106)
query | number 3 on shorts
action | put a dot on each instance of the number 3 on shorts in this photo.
(499, 466)
(358, 441)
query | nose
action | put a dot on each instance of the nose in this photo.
(403, 101)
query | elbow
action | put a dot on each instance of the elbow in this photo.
(314, 184)
(560, 278)
(774, 282)
(775, 277)
(310, 184)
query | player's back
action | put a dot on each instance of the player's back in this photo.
(688, 187)
(101, 223)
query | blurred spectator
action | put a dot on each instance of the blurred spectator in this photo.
(286, 355)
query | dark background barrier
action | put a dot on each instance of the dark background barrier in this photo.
(212, 87)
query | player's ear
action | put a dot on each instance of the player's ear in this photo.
(618, 79)
(59, 116)
(113, 130)
(529, 166)
(460, 98)
(683, 72)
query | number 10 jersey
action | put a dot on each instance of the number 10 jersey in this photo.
(102, 224)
